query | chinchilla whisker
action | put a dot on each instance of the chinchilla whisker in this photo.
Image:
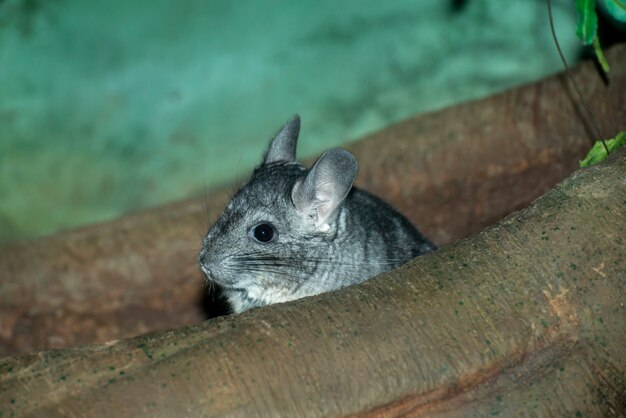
(329, 261)
(269, 260)
(264, 260)
(262, 267)
(211, 287)
(288, 261)
(255, 257)
(208, 284)
(301, 264)
(318, 260)
(246, 254)
(276, 272)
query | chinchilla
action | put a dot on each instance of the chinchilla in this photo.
(292, 232)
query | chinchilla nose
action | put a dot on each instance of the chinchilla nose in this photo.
(207, 260)
(202, 258)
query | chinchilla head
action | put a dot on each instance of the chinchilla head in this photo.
(272, 235)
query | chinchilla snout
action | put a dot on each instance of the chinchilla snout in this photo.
(204, 261)
(211, 265)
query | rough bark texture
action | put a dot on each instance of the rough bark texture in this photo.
(452, 172)
(525, 318)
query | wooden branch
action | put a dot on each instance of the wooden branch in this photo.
(525, 318)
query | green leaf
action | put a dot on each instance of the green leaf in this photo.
(597, 153)
(616, 8)
(600, 55)
(587, 24)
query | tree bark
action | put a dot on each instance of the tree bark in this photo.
(525, 318)
(451, 172)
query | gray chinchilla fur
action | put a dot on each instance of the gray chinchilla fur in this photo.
(292, 232)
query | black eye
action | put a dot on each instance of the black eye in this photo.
(263, 232)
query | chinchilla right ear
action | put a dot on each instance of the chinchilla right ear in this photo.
(283, 146)
(319, 194)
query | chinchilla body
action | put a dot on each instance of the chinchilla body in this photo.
(292, 232)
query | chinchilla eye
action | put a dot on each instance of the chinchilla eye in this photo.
(263, 233)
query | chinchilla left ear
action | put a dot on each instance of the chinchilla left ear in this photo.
(283, 146)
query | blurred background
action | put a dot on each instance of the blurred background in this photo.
(109, 107)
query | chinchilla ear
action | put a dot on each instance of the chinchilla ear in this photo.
(283, 146)
(325, 186)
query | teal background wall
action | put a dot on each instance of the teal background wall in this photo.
(107, 107)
